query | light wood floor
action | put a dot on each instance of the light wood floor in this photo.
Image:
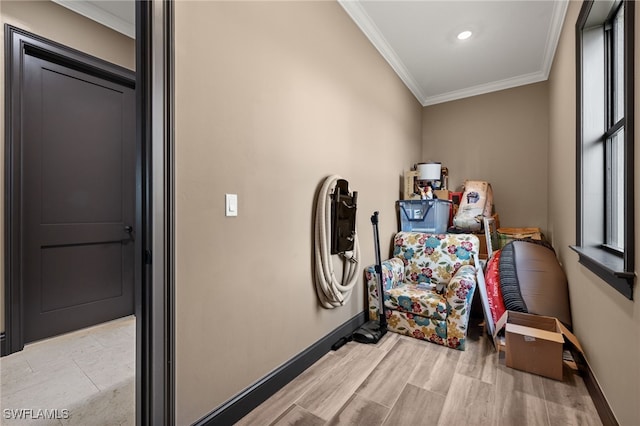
(404, 381)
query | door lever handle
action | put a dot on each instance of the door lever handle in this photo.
(129, 230)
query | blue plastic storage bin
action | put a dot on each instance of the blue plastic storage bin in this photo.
(430, 216)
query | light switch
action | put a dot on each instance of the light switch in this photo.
(231, 205)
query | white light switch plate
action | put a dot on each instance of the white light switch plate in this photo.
(231, 205)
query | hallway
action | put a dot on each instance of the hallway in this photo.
(86, 377)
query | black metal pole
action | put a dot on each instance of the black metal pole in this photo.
(378, 268)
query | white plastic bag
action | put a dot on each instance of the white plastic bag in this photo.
(476, 203)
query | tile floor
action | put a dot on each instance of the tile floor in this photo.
(86, 378)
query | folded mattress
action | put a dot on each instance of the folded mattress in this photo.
(532, 280)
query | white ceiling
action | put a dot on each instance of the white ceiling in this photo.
(513, 41)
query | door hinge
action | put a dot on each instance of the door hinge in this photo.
(147, 257)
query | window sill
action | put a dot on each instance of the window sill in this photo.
(609, 267)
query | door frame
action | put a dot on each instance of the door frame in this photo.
(155, 352)
(154, 263)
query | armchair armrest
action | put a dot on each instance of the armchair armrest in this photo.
(459, 291)
(459, 295)
(392, 276)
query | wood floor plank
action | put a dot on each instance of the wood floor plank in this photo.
(509, 380)
(416, 406)
(519, 399)
(469, 401)
(388, 341)
(326, 398)
(385, 383)
(360, 411)
(569, 399)
(298, 416)
(480, 358)
(435, 369)
(357, 350)
(282, 400)
(560, 415)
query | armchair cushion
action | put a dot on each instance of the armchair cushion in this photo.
(417, 300)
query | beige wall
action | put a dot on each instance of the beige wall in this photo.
(502, 138)
(49, 20)
(271, 97)
(607, 324)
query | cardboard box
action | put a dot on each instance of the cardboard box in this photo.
(482, 253)
(507, 235)
(534, 343)
(442, 194)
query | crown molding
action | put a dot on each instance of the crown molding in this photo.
(553, 36)
(482, 89)
(371, 30)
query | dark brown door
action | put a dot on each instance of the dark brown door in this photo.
(78, 199)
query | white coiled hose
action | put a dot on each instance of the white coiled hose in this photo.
(331, 292)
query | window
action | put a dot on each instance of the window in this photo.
(614, 132)
(604, 146)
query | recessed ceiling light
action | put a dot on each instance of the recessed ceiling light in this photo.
(464, 35)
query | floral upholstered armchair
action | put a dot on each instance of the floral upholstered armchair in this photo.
(428, 286)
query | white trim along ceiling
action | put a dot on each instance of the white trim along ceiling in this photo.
(513, 42)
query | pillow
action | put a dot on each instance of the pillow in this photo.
(492, 282)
